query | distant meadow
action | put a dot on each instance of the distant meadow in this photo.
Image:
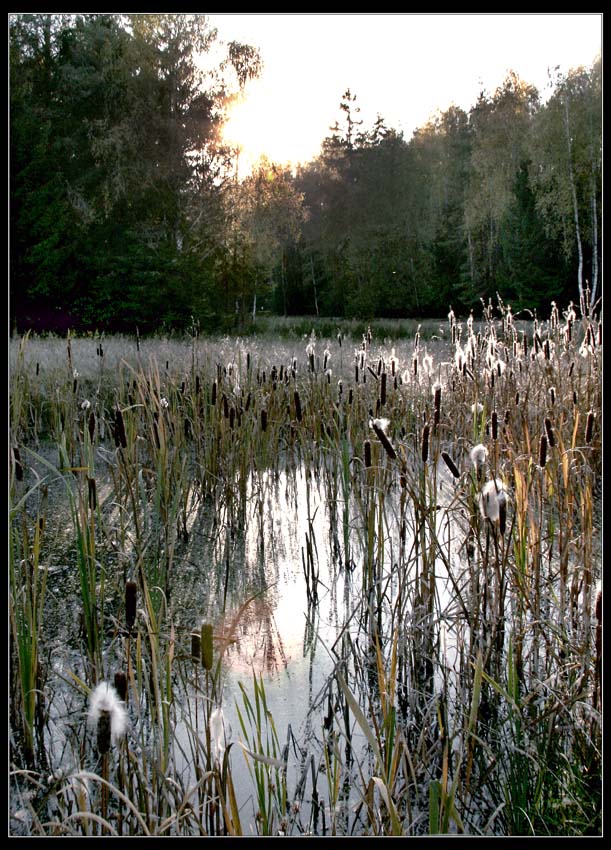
(332, 578)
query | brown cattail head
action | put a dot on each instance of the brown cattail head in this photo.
(589, 427)
(450, 464)
(121, 685)
(120, 437)
(367, 453)
(437, 400)
(264, 420)
(551, 438)
(495, 425)
(298, 412)
(207, 649)
(92, 493)
(382, 389)
(542, 451)
(425, 443)
(91, 425)
(502, 515)
(384, 440)
(196, 647)
(103, 732)
(131, 594)
(598, 606)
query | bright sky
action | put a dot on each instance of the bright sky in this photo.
(402, 66)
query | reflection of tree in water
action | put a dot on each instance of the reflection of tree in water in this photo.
(256, 641)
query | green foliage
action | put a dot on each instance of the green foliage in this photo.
(127, 208)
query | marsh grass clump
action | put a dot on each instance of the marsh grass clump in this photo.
(442, 497)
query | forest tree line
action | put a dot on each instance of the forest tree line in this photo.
(128, 210)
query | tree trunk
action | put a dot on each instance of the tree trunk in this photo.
(574, 199)
(314, 284)
(283, 280)
(471, 258)
(594, 243)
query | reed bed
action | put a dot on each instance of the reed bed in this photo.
(446, 495)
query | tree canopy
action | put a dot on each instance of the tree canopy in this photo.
(126, 210)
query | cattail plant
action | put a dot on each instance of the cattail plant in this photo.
(196, 647)
(450, 464)
(589, 427)
(121, 685)
(479, 456)
(424, 446)
(493, 498)
(120, 436)
(206, 645)
(542, 451)
(436, 403)
(298, 412)
(131, 594)
(107, 716)
(379, 426)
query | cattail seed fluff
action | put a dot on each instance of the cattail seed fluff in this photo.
(107, 716)
(492, 500)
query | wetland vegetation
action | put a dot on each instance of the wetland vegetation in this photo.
(326, 583)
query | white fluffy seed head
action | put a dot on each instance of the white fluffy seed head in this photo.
(381, 423)
(104, 699)
(220, 731)
(492, 498)
(479, 454)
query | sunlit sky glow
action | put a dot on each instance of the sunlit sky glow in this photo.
(402, 66)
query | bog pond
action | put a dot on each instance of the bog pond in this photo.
(331, 587)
